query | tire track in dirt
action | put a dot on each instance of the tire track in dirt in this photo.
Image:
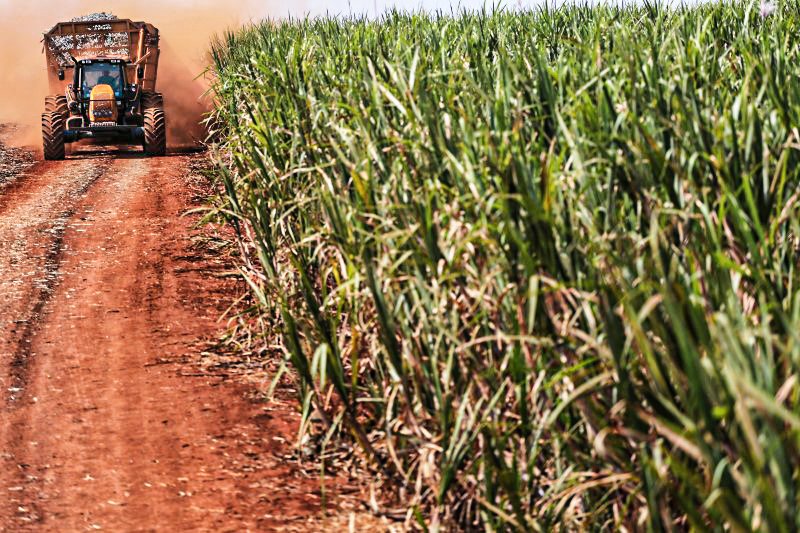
(31, 233)
(44, 287)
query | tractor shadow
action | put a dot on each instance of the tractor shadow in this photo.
(126, 152)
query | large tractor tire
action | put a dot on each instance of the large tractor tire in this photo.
(56, 104)
(53, 136)
(155, 132)
(152, 100)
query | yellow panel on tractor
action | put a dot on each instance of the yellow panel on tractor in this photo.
(103, 106)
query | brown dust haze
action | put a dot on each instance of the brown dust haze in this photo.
(186, 28)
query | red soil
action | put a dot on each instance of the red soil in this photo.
(106, 422)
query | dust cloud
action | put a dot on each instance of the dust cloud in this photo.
(186, 28)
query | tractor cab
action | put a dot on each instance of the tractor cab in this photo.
(90, 73)
(101, 92)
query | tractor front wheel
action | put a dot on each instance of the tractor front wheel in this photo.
(155, 132)
(53, 136)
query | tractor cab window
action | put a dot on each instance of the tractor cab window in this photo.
(95, 74)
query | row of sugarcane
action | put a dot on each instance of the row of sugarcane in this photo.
(538, 268)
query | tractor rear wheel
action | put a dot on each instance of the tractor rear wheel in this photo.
(53, 136)
(155, 132)
(152, 100)
(56, 104)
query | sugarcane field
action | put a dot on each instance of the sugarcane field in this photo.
(407, 265)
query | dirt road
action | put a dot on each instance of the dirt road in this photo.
(104, 421)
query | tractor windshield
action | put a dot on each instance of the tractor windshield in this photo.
(94, 74)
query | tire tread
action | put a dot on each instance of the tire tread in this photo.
(53, 136)
(56, 104)
(155, 132)
(152, 100)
